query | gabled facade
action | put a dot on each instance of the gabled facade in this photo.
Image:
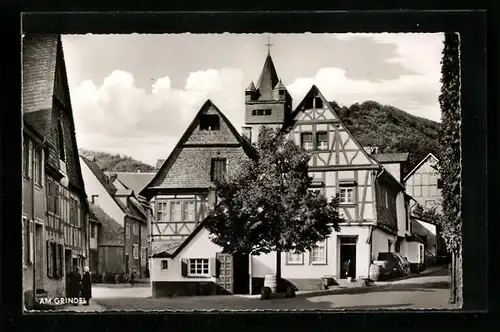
(371, 200)
(183, 191)
(123, 206)
(58, 221)
(424, 183)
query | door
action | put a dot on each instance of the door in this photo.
(225, 278)
(126, 263)
(241, 274)
(348, 257)
(39, 256)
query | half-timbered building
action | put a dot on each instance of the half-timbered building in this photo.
(181, 194)
(58, 205)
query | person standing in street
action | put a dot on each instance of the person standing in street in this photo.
(74, 284)
(87, 285)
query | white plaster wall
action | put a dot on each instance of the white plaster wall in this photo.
(199, 247)
(380, 242)
(394, 169)
(266, 264)
(412, 252)
(401, 213)
(105, 201)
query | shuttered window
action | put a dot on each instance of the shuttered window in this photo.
(198, 267)
(218, 169)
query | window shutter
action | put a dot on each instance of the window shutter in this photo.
(213, 267)
(184, 267)
(31, 241)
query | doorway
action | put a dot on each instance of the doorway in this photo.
(348, 256)
(126, 263)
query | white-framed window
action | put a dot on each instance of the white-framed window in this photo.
(189, 211)
(346, 195)
(175, 211)
(135, 251)
(164, 264)
(162, 212)
(318, 253)
(294, 258)
(322, 140)
(306, 141)
(38, 166)
(198, 267)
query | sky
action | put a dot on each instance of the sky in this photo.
(136, 94)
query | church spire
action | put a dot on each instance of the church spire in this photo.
(268, 79)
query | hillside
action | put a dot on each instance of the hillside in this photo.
(391, 129)
(116, 163)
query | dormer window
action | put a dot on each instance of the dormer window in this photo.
(61, 141)
(209, 122)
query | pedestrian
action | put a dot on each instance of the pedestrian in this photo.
(74, 284)
(87, 285)
(132, 277)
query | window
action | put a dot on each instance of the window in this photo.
(127, 231)
(439, 184)
(52, 197)
(318, 103)
(37, 155)
(61, 141)
(321, 140)
(135, 228)
(92, 230)
(161, 213)
(346, 195)
(175, 211)
(318, 253)
(306, 141)
(135, 251)
(209, 122)
(164, 265)
(198, 267)
(308, 103)
(54, 260)
(218, 169)
(26, 158)
(188, 211)
(293, 258)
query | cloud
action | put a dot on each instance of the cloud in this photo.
(119, 117)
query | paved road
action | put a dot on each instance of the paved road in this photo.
(431, 291)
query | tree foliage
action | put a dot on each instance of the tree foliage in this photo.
(449, 139)
(266, 205)
(116, 163)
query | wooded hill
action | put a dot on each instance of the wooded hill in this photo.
(389, 128)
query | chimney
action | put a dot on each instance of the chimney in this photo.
(94, 199)
(247, 132)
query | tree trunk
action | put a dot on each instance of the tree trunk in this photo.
(278, 272)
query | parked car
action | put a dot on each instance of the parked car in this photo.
(394, 264)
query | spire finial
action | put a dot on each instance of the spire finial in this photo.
(269, 45)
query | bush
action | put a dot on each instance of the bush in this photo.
(266, 293)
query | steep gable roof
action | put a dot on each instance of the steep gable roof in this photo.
(267, 80)
(42, 59)
(136, 181)
(391, 157)
(249, 150)
(430, 155)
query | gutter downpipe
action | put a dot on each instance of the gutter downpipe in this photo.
(35, 148)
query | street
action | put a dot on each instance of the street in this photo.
(430, 292)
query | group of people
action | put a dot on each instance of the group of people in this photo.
(79, 285)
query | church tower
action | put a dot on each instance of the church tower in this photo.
(267, 103)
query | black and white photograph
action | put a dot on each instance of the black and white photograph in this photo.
(270, 171)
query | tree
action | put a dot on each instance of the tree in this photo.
(266, 205)
(450, 164)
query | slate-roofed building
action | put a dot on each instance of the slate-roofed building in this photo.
(124, 207)
(55, 208)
